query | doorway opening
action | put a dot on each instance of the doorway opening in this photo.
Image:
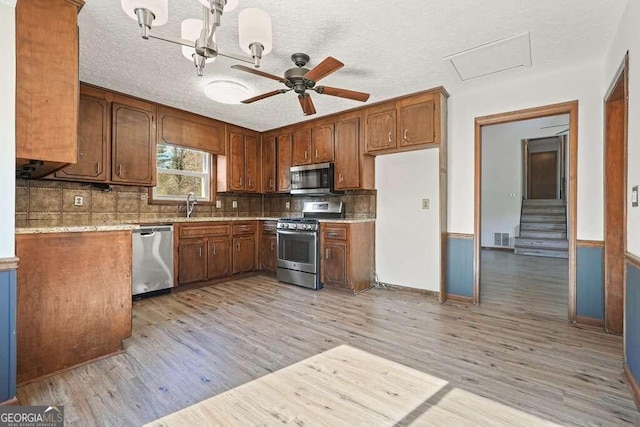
(526, 203)
(615, 202)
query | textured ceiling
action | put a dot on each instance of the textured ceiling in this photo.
(388, 48)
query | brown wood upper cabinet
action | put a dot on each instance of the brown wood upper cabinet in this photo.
(347, 161)
(46, 84)
(133, 135)
(239, 170)
(269, 184)
(301, 147)
(190, 130)
(322, 143)
(410, 123)
(284, 162)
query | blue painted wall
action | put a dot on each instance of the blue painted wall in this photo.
(7, 335)
(460, 266)
(590, 283)
(632, 320)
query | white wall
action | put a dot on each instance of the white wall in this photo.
(502, 172)
(583, 83)
(628, 38)
(7, 128)
(408, 237)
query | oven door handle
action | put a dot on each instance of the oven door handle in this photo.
(298, 233)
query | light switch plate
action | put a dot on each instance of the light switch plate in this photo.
(234, 204)
(218, 204)
(425, 203)
(287, 205)
(78, 200)
(634, 197)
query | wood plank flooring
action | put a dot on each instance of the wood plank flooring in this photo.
(524, 285)
(191, 346)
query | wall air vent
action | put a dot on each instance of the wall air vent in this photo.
(502, 240)
(501, 55)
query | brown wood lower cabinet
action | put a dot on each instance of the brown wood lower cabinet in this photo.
(268, 246)
(244, 254)
(347, 255)
(192, 261)
(218, 254)
(74, 299)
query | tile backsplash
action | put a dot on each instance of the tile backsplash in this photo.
(51, 203)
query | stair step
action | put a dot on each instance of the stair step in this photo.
(549, 253)
(541, 243)
(528, 210)
(541, 226)
(549, 234)
(542, 202)
(548, 218)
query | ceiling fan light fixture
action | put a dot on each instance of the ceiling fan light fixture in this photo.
(226, 91)
(147, 12)
(255, 33)
(190, 29)
(231, 4)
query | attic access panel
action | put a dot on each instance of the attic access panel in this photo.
(494, 57)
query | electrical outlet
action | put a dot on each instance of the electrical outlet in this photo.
(234, 204)
(512, 195)
(634, 197)
(287, 205)
(425, 203)
(218, 204)
(144, 196)
(78, 200)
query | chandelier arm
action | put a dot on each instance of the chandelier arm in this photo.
(237, 57)
(174, 40)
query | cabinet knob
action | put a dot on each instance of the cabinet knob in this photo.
(273, 246)
(326, 253)
(306, 155)
(120, 169)
(389, 136)
(405, 134)
(98, 168)
(316, 153)
(200, 251)
(238, 246)
(214, 250)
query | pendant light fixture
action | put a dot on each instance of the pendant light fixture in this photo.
(198, 36)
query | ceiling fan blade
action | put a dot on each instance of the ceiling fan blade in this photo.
(264, 95)
(307, 104)
(258, 73)
(342, 93)
(324, 68)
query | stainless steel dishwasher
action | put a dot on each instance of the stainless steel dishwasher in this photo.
(152, 260)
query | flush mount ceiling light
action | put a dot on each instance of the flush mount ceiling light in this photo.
(198, 38)
(226, 91)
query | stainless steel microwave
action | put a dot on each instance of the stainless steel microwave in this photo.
(312, 179)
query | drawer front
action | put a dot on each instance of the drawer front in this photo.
(244, 229)
(204, 231)
(333, 232)
(269, 227)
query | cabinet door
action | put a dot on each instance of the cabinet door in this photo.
(322, 143)
(190, 130)
(244, 254)
(252, 160)
(93, 142)
(268, 253)
(417, 123)
(192, 262)
(236, 162)
(347, 165)
(381, 128)
(334, 265)
(284, 163)
(218, 258)
(133, 135)
(269, 164)
(302, 147)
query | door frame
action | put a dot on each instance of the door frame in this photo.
(621, 77)
(570, 108)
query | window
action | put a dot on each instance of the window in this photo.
(182, 171)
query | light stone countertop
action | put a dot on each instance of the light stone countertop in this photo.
(133, 224)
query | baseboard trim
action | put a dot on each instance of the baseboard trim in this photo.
(460, 236)
(460, 298)
(10, 402)
(633, 385)
(70, 368)
(589, 321)
(632, 259)
(425, 292)
(9, 264)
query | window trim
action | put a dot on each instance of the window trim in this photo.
(154, 199)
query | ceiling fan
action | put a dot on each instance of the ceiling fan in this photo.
(300, 80)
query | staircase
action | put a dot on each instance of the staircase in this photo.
(543, 229)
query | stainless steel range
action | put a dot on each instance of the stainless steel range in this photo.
(299, 244)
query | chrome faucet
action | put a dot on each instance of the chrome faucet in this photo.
(192, 202)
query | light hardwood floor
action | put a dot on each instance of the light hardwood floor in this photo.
(193, 345)
(524, 285)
